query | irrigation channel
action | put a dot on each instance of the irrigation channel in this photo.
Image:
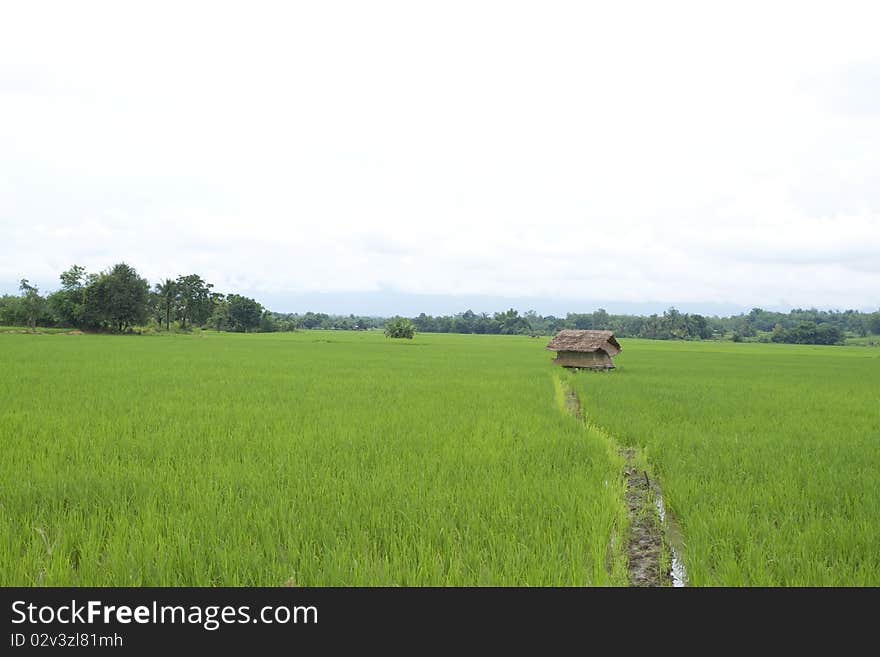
(651, 527)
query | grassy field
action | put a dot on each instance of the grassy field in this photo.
(769, 455)
(336, 458)
(321, 458)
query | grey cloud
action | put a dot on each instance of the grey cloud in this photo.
(854, 90)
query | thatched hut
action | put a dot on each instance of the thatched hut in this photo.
(584, 349)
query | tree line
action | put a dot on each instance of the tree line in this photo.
(118, 299)
(797, 326)
(800, 326)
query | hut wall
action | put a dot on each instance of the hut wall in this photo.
(587, 359)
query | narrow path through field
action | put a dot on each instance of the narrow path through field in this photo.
(645, 545)
(652, 532)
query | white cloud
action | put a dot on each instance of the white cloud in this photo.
(648, 152)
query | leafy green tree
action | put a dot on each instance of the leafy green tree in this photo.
(166, 292)
(219, 319)
(74, 278)
(66, 305)
(808, 333)
(32, 303)
(154, 306)
(400, 327)
(464, 322)
(62, 308)
(779, 333)
(601, 319)
(117, 299)
(244, 313)
(803, 333)
(12, 311)
(267, 322)
(510, 322)
(424, 323)
(194, 300)
(828, 334)
(580, 321)
(697, 327)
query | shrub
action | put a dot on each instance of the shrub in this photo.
(400, 327)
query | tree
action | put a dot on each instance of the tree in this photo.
(117, 299)
(66, 305)
(580, 321)
(219, 318)
(809, 333)
(32, 303)
(698, 327)
(803, 333)
(464, 322)
(510, 322)
(244, 313)
(74, 278)
(267, 322)
(400, 327)
(194, 301)
(779, 333)
(167, 294)
(601, 319)
(424, 323)
(12, 311)
(828, 334)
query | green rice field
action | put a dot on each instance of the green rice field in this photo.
(314, 458)
(769, 455)
(345, 458)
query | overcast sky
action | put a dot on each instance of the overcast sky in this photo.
(618, 153)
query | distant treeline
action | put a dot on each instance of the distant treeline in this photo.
(119, 300)
(798, 326)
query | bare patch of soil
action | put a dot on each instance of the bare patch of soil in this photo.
(645, 540)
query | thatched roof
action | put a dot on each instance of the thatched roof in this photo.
(573, 340)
